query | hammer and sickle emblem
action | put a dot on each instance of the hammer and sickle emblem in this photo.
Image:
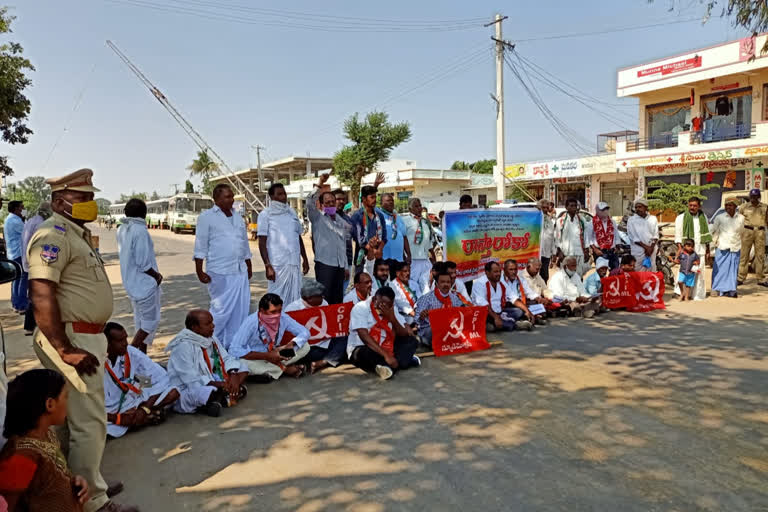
(613, 289)
(650, 290)
(322, 329)
(457, 328)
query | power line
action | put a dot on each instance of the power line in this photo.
(609, 31)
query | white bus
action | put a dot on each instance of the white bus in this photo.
(178, 213)
(157, 214)
(116, 212)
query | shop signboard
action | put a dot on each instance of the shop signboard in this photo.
(707, 159)
(515, 171)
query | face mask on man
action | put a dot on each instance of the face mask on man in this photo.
(569, 272)
(329, 210)
(87, 211)
(24, 213)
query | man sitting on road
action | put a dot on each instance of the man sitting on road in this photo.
(592, 284)
(137, 391)
(518, 296)
(361, 289)
(567, 288)
(379, 340)
(207, 377)
(536, 283)
(628, 264)
(259, 341)
(458, 287)
(490, 291)
(407, 292)
(327, 352)
(440, 297)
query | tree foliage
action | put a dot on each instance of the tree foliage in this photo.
(155, 196)
(373, 140)
(205, 168)
(104, 205)
(189, 188)
(675, 196)
(14, 105)
(125, 197)
(479, 167)
(32, 191)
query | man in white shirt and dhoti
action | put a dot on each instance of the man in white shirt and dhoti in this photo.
(281, 246)
(728, 227)
(643, 231)
(421, 240)
(221, 240)
(138, 268)
(693, 224)
(571, 237)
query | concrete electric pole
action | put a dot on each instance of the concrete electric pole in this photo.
(258, 166)
(501, 45)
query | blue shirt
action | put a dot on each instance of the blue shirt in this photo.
(374, 225)
(394, 249)
(252, 337)
(12, 229)
(593, 285)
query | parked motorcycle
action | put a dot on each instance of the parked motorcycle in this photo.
(665, 255)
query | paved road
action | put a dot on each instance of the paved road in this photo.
(665, 411)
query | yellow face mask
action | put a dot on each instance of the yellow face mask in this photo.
(87, 211)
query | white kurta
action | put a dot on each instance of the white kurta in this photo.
(142, 369)
(402, 293)
(282, 228)
(700, 288)
(513, 289)
(188, 371)
(223, 243)
(421, 266)
(572, 239)
(565, 287)
(728, 230)
(497, 296)
(352, 297)
(644, 230)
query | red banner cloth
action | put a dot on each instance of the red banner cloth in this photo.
(636, 291)
(458, 330)
(322, 322)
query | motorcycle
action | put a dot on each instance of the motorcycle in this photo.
(665, 254)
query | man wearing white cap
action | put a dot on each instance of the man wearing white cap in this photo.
(643, 231)
(602, 235)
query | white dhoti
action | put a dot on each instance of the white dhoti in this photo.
(262, 367)
(192, 398)
(146, 314)
(230, 303)
(699, 291)
(420, 272)
(161, 388)
(287, 283)
(639, 254)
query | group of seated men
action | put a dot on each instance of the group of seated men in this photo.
(388, 320)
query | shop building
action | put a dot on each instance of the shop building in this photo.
(703, 118)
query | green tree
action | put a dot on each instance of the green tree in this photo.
(483, 166)
(460, 165)
(155, 196)
(189, 188)
(125, 197)
(104, 205)
(204, 168)
(14, 106)
(674, 196)
(32, 191)
(373, 139)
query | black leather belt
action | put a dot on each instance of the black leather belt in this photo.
(761, 228)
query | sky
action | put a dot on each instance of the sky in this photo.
(246, 73)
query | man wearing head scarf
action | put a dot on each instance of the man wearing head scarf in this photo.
(643, 231)
(602, 233)
(728, 227)
(592, 284)
(44, 211)
(323, 352)
(693, 224)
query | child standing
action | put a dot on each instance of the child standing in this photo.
(689, 267)
(33, 472)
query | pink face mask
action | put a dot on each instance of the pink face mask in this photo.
(271, 323)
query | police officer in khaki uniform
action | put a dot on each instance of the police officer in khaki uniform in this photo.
(755, 219)
(72, 300)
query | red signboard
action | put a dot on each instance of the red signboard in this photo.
(458, 330)
(671, 67)
(323, 323)
(636, 291)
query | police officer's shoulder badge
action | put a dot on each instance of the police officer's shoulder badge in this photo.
(49, 253)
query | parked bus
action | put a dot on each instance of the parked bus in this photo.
(184, 209)
(117, 212)
(157, 214)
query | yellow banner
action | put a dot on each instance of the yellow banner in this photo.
(514, 170)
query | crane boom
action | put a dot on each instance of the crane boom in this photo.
(239, 186)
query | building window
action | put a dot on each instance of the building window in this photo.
(482, 199)
(665, 121)
(727, 116)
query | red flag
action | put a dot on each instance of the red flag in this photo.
(458, 330)
(649, 291)
(618, 291)
(322, 322)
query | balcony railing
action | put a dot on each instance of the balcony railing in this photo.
(711, 133)
(667, 140)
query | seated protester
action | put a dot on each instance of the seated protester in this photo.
(567, 288)
(437, 267)
(328, 352)
(34, 475)
(405, 291)
(361, 289)
(592, 284)
(379, 340)
(440, 297)
(136, 389)
(490, 291)
(458, 287)
(628, 264)
(532, 276)
(259, 341)
(375, 266)
(518, 295)
(206, 375)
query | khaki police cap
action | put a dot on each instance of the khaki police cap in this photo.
(80, 181)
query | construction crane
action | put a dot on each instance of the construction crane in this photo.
(238, 185)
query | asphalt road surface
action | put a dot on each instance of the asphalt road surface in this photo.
(665, 411)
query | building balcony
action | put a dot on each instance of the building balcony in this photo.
(712, 138)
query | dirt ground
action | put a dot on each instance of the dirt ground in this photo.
(662, 411)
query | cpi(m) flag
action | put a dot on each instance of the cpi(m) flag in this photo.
(636, 291)
(458, 330)
(323, 322)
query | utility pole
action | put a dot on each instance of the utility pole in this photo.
(258, 166)
(501, 45)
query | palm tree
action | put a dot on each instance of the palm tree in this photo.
(204, 167)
